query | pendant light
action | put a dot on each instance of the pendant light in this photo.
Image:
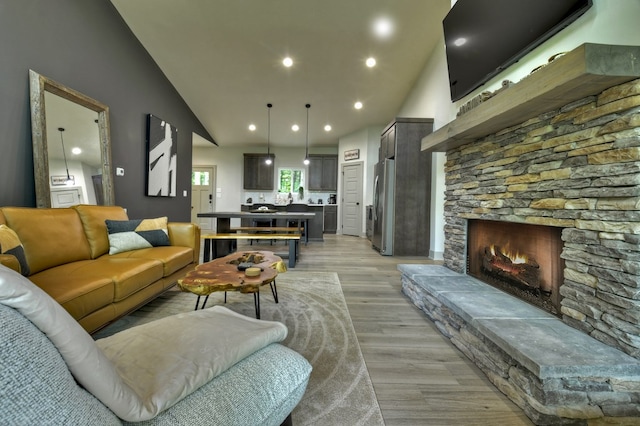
(306, 149)
(69, 181)
(268, 160)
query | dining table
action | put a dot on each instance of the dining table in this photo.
(223, 219)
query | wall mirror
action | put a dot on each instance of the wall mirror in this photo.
(71, 146)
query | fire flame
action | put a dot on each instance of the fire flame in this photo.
(514, 257)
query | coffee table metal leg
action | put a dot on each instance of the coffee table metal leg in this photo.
(256, 302)
(274, 290)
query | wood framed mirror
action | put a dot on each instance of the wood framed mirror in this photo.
(68, 114)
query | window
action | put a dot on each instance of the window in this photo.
(200, 178)
(290, 180)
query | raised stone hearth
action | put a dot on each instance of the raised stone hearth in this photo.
(555, 373)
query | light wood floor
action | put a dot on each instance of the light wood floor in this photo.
(419, 377)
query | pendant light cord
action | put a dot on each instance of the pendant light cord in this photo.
(64, 154)
(306, 150)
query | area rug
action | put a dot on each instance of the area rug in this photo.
(312, 306)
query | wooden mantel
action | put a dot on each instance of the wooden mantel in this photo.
(587, 70)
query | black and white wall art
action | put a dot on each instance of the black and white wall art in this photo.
(162, 159)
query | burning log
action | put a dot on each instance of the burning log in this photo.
(522, 271)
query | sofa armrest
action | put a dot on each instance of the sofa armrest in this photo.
(11, 262)
(185, 234)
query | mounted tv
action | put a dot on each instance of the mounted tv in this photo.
(483, 37)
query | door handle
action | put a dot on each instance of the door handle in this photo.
(357, 204)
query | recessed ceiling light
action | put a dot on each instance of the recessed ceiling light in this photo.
(76, 151)
(295, 128)
(327, 127)
(383, 27)
(358, 105)
(287, 62)
(371, 62)
(252, 127)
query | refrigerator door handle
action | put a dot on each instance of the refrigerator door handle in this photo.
(376, 198)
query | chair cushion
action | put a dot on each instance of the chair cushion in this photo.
(274, 380)
(127, 235)
(10, 244)
(37, 388)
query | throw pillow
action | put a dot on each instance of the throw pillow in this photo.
(127, 235)
(10, 244)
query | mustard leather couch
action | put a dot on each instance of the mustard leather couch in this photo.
(67, 251)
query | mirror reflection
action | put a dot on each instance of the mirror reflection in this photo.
(75, 164)
(71, 146)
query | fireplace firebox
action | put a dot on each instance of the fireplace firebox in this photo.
(520, 259)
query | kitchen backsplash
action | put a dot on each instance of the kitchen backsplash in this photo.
(274, 197)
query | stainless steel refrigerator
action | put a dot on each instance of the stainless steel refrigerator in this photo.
(383, 207)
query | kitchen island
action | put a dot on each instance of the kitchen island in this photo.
(314, 225)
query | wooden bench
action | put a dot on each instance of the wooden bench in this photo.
(273, 229)
(211, 251)
(266, 230)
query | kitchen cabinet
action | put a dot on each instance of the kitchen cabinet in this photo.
(258, 175)
(387, 144)
(323, 173)
(330, 219)
(412, 184)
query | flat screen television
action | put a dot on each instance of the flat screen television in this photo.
(483, 37)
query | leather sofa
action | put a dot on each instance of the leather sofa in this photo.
(67, 253)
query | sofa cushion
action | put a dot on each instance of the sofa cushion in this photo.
(129, 275)
(173, 258)
(50, 237)
(10, 244)
(93, 220)
(126, 235)
(77, 287)
(37, 387)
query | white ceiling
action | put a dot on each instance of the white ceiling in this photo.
(224, 58)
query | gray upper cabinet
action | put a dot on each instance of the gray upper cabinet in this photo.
(258, 175)
(412, 205)
(387, 144)
(323, 173)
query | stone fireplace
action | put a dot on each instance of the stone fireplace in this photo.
(576, 168)
(559, 154)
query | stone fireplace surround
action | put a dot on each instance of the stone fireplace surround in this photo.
(574, 166)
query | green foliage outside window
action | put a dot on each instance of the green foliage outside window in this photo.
(289, 180)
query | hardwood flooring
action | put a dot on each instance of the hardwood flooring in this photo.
(419, 377)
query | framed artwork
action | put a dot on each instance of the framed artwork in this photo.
(162, 157)
(63, 180)
(352, 154)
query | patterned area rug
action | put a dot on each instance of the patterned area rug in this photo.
(312, 306)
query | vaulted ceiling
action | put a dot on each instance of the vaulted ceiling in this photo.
(224, 57)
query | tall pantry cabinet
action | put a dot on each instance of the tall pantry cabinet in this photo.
(401, 141)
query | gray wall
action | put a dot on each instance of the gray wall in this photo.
(87, 46)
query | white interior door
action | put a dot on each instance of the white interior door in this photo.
(203, 182)
(65, 197)
(352, 199)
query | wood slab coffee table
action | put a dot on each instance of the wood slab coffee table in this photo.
(222, 274)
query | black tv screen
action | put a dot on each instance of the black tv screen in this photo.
(483, 37)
